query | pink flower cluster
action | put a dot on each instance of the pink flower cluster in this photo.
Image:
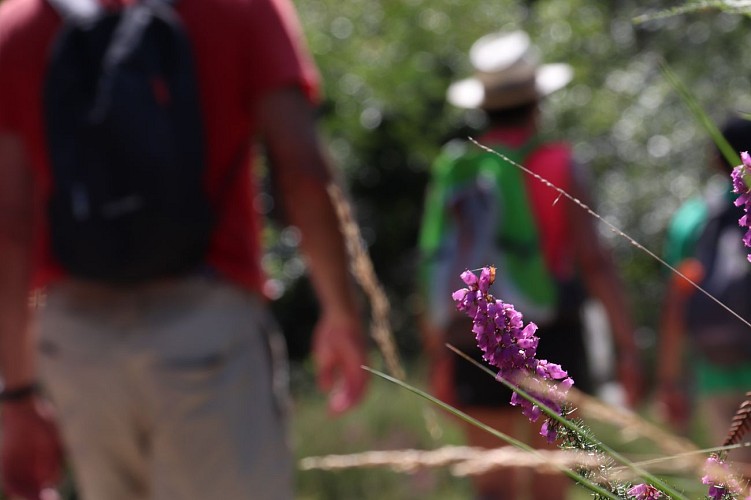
(719, 479)
(644, 492)
(511, 347)
(744, 199)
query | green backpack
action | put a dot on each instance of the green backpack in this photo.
(477, 213)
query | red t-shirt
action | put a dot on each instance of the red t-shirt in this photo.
(551, 161)
(243, 49)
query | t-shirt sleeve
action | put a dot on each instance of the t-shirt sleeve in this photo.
(277, 54)
(23, 41)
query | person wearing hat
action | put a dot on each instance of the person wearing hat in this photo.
(481, 210)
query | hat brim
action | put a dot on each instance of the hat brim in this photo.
(469, 93)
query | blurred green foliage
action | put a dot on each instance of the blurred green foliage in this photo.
(386, 65)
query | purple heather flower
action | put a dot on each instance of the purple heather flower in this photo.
(744, 199)
(549, 430)
(719, 479)
(644, 492)
(511, 346)
(739, 185)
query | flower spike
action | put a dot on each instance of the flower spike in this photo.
(511, 346)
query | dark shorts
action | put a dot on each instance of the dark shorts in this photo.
(561, 342)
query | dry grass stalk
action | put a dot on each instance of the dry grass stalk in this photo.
(362, 269)
(628, 422)
(631, 424)
(545, 461)
(462, 460)
(671, 464)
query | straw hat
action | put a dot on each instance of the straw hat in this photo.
(508, 73)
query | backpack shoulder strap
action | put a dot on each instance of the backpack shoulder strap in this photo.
(77, 11)
(80, 12)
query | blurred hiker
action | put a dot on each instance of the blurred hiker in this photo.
(705, 352)
(126, 194)
(480, 210)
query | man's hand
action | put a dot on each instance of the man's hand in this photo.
(339, 353)
(31, 455)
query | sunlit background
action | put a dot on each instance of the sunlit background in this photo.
(386, 66)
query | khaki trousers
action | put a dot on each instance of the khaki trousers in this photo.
(170, 391)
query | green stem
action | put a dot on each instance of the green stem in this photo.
(519, 444)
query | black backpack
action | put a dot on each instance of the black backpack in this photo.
(126, 144)
(717, 335)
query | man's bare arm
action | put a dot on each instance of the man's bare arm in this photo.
(302, 174)
(30, 455)
(17, 364)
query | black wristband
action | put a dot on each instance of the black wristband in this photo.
(19, 393)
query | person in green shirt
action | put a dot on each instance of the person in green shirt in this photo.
(704, 352)
(481, 210)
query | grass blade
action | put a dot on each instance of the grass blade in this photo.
(573, 475)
